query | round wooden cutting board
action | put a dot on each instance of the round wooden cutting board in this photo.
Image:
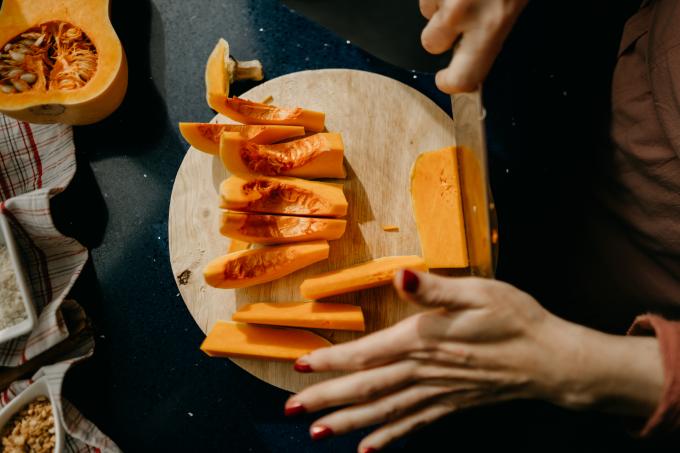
(385, 125)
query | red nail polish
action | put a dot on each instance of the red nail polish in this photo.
(302, 367)
(409, 281)
(294, 409)
(320, 432)
(369, 450)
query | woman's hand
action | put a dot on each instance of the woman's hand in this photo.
(482, 26)
(483, 342)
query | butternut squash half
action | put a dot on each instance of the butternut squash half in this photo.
(276, 229)
(253, 267)
(281, 195)
(366, 275)
(206, 136)
(316, 156)
(438, 209)
(220, 71)
(231, 339)
(61, 61)
(313, 315)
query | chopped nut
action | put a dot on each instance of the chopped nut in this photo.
(31, 429)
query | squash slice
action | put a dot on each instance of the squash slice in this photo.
(231, 339)
(253, 267)
(276, 229)
(206, 136)
(314, 315)
(438, 209)
(281, 195)
(219, 74)
(366, 275)
(316, 156)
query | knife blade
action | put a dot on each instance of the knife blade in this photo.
(478, 209)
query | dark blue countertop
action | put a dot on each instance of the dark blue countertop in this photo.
(148, 386)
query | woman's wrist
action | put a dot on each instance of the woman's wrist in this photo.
(616, 374)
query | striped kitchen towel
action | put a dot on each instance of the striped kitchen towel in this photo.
(36, 163)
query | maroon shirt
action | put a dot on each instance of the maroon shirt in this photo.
(643, 188)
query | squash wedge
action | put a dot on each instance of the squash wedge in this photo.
(283, 195)
(206, 136)
(262, 265)
(313, 315)
(366, 275)
(231, 339)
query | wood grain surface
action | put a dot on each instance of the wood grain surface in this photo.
(385, 125)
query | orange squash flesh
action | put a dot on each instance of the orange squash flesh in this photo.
(250, 112)
(282, 195)
(237, 246)
(253, 267)
(313, 315)
(366, 275)
(275, 229)
(438, 209)
(231, 339)
(75, 84)
(315, 156)
(206, 136)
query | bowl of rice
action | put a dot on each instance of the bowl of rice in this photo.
(17, 313)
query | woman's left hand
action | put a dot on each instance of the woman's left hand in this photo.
(482, 342)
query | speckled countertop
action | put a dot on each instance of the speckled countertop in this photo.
(148, 385)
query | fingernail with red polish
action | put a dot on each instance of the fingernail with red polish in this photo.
(320, 432)
(302, 367)
(409, 281)
(294, 409)
(369, 450)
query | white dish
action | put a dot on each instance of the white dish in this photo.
(27, 324)
(38, 388)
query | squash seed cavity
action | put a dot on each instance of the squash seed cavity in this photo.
(51, 56)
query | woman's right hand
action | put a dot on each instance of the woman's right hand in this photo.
(482, 26)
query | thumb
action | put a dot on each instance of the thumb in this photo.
(436, 291)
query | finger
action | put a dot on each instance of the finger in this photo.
(388, 433)
(389, 407)
(379, 348)
(437, 291)
(471, 60)
(428, 7)
(356, 387)
(444, 26)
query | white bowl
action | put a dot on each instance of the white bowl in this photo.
(38, 388)
(27, 324)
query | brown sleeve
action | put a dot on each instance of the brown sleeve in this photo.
(666, 417)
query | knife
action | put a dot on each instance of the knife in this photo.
(478, 208)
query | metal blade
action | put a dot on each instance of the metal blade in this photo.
(478, 208)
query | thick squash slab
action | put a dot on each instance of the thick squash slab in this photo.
(206, 136)
(231, 339)
(66, 61)
(276, 229)
(438, 209)
(283, 195)
(265, 264)
(312, 315)
(366, 275)
(316, 156)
